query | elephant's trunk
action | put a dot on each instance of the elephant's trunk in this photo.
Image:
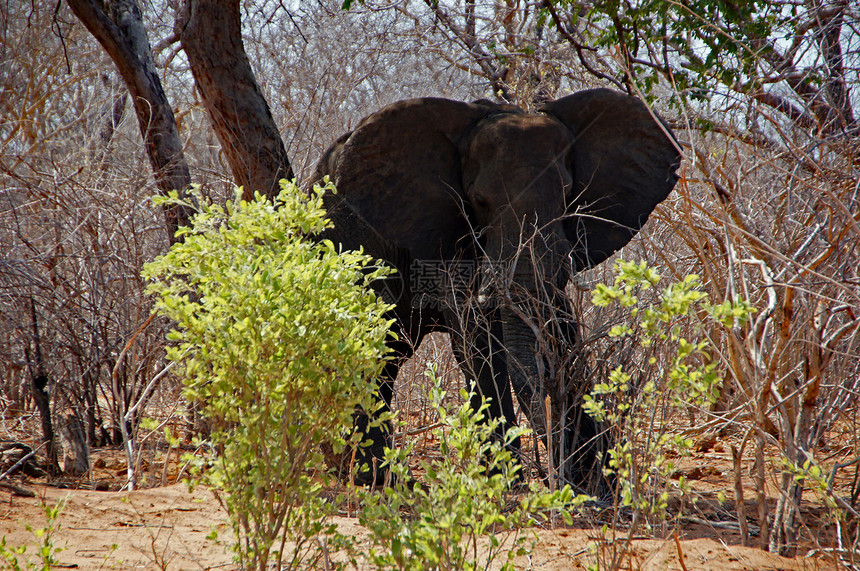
(523, 365)
(540, 336)
(524, 316)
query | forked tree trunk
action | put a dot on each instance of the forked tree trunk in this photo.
(210, 33)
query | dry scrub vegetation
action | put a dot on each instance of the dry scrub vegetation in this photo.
(762, 95)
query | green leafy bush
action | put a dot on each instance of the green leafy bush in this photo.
(458, 517)
(280, 340)
(638, 414)
(690, 379)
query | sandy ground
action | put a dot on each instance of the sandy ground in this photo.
(167, 528)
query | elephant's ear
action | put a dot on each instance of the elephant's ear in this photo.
(400, 171)
(624, 162)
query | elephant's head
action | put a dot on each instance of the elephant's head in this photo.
(426, 173)
(542, 195)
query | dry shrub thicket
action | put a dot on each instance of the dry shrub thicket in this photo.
(768, 208)
(768, 211)
(777, 223)
(76, 225)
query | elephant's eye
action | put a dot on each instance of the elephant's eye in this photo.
(481, 201)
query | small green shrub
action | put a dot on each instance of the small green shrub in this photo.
(45, 560)
(459, 516)
(280, 339)
(637, 415)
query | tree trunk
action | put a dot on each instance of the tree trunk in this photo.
(76, 453)
(119, 29)
(43, 403)
(39, 385)
(210, 33)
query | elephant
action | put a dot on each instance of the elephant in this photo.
(486, 212)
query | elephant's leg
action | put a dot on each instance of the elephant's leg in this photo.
(367, 468)
(584, 440)
(586, 445)
(481, 355)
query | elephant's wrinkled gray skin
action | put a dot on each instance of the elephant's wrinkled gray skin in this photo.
(430, 182)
